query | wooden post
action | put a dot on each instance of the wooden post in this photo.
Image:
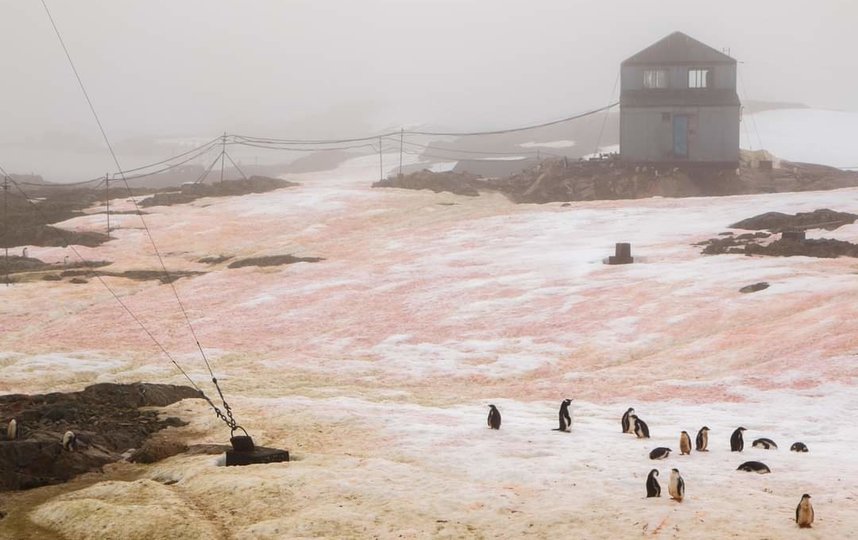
(401, 142)
(6, 225)
(380, 162)
(222, 154)
(107, 199)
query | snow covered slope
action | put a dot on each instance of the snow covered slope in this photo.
(376, 366)
(806, 135)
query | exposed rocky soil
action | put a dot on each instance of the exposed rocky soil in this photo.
(452, 182)
(785, 245)
(105, 417)
(194, 191)
(273, 260)
(556, 180)
(28, 268)
(777, 221)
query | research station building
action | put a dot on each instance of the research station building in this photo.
(678, 104)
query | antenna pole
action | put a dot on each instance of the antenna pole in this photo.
(107, 199)
(401, 142)
(380, 162)
(6, 225)
(222, 155)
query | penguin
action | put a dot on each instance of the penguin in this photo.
(627, 425)
(652, 487)
(12, 430)
(641, 430)
(804, 512)
(798, 447)
(765, 444)
(565, 418)
(737, 443)
(69, 441)
(684, 444)
(754, 466)
(676, 486)
(494, 419)
(660, 453)
(702, 442)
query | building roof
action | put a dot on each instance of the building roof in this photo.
(678, 48)
(698, 97)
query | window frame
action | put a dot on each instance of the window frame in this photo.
(696, 72)
(660, 70)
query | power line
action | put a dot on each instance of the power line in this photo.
(513, 130)
(605, 119)
(230, 421)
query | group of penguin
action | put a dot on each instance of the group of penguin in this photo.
(69, 440)
(631, 423)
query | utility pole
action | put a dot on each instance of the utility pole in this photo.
(401, 142)
(380, 162)
(6, 225)
(222, 155)
(107, 199)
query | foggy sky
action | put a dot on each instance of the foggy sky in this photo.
(323, 68)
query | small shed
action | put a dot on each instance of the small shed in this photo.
(678, 104)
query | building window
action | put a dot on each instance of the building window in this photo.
(698, 78)
(665, 117)
(655, 78)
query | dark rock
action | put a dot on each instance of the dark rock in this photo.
(457, 183)
(105, 417)
(777, 221)
(193, 191)
(215, 260)
(754, 288)
(273, 260)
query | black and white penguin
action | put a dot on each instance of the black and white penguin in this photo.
(494, 419)
(798, 447)
(641, 430)
(659, 453)
(69, 441)
(564, 417)
(12, 430)
(684, 444)
(765, 444)
(627, 425)
(702, 442)
(754, 466)
(652, 487)
(737, 442)
(676, 486)
(804, 512)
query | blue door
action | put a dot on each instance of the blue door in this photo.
(680, 136)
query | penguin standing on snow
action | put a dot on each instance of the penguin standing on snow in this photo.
(12, 430)
(627, 425)
(804, 512)
(652, 487)
(676, 486)
(684, 444)
(702, 440)
(641, 430)
(737, 442)
(494, 419)
(69, 441)
(564, 417)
